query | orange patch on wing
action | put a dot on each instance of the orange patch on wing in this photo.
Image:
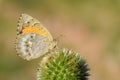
(32, 29)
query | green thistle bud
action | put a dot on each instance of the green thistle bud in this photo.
(62, 65)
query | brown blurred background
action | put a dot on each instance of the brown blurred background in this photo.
(90, 27)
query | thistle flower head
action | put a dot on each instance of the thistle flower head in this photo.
(62, 65)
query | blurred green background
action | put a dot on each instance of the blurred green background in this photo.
(90, 27)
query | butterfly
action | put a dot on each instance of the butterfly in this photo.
(33, 39)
